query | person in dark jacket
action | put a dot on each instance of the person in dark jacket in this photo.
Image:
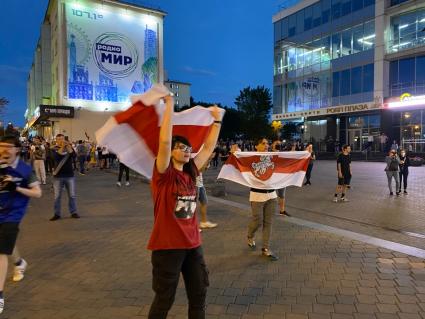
(392, 170)
(404, 170)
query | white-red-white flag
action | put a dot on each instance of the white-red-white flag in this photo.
(134, 134)
(266, 170)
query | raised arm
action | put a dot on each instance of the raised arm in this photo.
(212, 137)
(165, 135)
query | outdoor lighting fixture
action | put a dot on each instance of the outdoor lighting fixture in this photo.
(407, 115)
(423, 20)
(407, 100)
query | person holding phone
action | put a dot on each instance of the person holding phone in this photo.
(63, 176)
(392, 170)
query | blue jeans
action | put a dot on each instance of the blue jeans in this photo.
(58, 184)
(82, 160)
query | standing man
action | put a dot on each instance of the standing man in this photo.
(263, 206)
(63, 176)
(123, 168)
(38, 155)
(309, 148)
(82, 156)
(175, 240)
(18, 184)
(343, 163)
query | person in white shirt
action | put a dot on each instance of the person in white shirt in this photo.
(263, 207)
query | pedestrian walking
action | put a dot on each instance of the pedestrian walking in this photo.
(82, 156)
(309, 148)
(38, 155)
(123, 168)
(344, 173)
(18, 184)
(175, 240)
(403, 170)
(392, 171)
(63, 176)
(263, 207)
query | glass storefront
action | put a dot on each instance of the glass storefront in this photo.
(407, 76)
(363, 132)
(412, 133)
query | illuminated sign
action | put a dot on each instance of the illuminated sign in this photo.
(406, 99)
(56, 111)
(112, 53)
(328, 110)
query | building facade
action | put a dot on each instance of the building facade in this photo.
(181, 91)
(91, 56)
(352, 71)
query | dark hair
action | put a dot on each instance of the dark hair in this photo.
(190, 167)
(10, 139)
(258, 140)
(80, 142)
(59, 135)
(346, 146)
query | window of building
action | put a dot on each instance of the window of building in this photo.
(393, 73)
(344, 87)
(335, 84)
(308, 18)
(346, 7)
(357, 5)
(420, 75)
(336, 9)
(317, 14)
(336, 45)
(277, 30)
(300, 21)
(368, 78)
(369, 35)
(396, 2)
(284, 28)
(407, 75)
(292, 25)
(367, 3)
(346, 42)
(358, 39)
(407, 31)
(356, 83)
(326, 10)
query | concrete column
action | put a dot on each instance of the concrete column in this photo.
(381, 69)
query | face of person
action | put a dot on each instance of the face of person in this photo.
(263, 146)
(403, 153)
(8, 153)
(181, 153)
(310, 148)
(60, 141)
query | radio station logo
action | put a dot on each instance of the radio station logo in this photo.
(115, 55)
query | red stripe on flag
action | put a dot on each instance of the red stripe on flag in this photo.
(281, 164)
(144, 120)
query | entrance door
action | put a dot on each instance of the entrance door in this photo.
(354, 139)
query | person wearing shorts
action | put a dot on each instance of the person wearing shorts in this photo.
(344, 173)
(18, 183)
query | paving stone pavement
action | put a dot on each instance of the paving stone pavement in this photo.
(370, 211)
(98, 266)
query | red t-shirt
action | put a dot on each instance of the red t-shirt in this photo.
(176, 224)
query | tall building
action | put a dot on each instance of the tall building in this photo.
(91, 56)
(352, 71)
(181, 91)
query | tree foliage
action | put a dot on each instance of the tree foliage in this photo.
(255, 105)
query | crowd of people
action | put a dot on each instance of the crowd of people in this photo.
(177, 187)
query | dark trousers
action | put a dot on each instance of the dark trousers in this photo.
(127, 172)
(308, 173)
(403, 176)
(82, 161)
(49, 165)
(167, 265)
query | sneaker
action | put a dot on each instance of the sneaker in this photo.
(251, 243)
(398, 193)
(75, 215)
(119, 184)
(18, 271)
(82, 174)
(405, 192)
(391, 193)
(127, 183)
(55, 217)
(285, 213)
(269, 254)
(335, 200)
(207, 224)
(344, 199)
(1, 305)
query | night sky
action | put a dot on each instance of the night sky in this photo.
(218, 46)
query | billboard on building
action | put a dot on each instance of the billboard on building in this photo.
(112, 53)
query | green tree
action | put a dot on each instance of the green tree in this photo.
(255, 105)
(3, 103)
(232, 123)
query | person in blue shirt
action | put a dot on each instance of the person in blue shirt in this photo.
(17, 184)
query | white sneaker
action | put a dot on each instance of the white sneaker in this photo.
(127, 183)
(119, 184)
(335, 200)
(208, 225)
(1, 305)
(344, 199)
(18, 272)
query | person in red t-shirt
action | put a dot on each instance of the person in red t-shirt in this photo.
(175, 240)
